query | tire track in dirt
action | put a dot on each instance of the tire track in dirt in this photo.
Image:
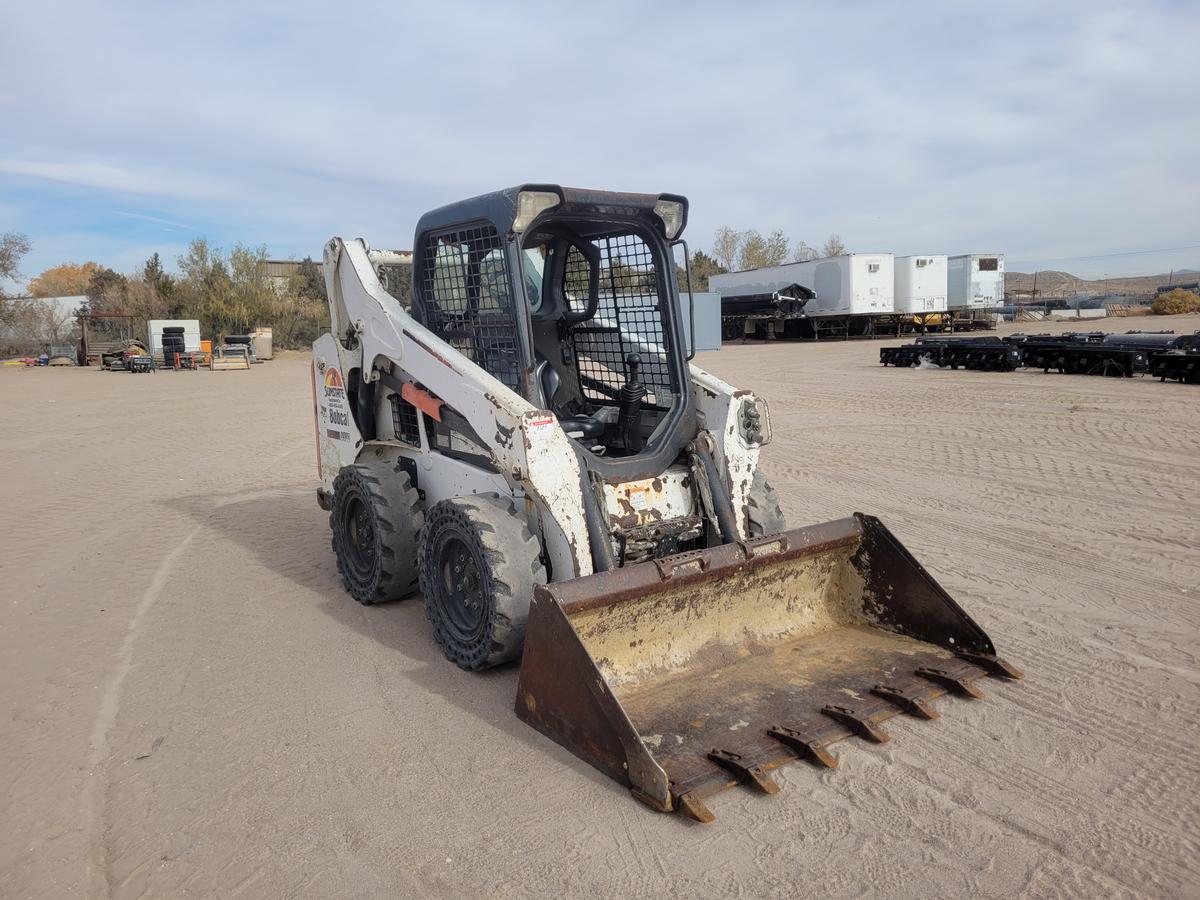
(106, 717)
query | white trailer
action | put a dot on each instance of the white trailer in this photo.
(976, 281)
(921, 284)
(856, 284)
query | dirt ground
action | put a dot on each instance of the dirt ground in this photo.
(193, 707)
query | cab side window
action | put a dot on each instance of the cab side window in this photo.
(466, 298)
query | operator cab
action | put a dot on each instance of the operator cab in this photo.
(598, 275)
(569, 297)
(600, 319)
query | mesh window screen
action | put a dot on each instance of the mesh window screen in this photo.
(468, 300)
(404, 420)
(628, 303)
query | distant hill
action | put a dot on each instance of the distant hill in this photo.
(1064, 284)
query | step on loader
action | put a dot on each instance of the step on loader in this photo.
(522, 438)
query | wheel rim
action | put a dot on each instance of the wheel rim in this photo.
(359, 530)
(463, 591)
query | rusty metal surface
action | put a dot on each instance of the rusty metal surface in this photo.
(645, 542)
(561, 694)
(642, 502)
(699, 672)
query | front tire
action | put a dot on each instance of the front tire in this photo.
(375, 517)
(479, 566)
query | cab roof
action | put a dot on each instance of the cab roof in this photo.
(500, 208)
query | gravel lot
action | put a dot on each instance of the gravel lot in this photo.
(193, 707)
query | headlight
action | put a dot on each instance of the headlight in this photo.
(530, 205)
(671, 213)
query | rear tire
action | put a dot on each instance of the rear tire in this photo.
(375, 518)
(479, 566)
(763, 510)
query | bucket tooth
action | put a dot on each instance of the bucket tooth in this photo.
(806, 745)
(858, 723)
(954, 682)
(693, 807)
(740, 767)
(994, 664)
(906, 700)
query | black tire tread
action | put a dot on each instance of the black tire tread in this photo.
(513, 556)
(398, 517)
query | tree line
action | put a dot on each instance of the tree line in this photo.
(231, 293)
(228, 292)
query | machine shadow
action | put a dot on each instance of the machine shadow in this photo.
(295, 545)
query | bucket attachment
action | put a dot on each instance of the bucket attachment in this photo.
(684, 676)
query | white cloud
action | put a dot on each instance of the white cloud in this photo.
(170, 224)
(109, 177)
(1045, 130)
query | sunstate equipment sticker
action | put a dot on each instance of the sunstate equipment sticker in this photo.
(335, 410)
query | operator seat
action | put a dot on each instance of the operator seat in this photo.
(550, 381)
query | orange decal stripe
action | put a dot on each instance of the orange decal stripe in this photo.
(422, 400)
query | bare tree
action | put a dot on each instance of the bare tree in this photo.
(834, 247)
(34, 325)
(726, 244)
(13, 245)
(58, 323)
(804, 253)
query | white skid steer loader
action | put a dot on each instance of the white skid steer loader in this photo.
(522, 438)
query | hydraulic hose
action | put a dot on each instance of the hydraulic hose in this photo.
(722, 504)
(603, 559)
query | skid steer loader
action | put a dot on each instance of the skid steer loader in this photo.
(524, 440)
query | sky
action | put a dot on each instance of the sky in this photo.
(1063, 134)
